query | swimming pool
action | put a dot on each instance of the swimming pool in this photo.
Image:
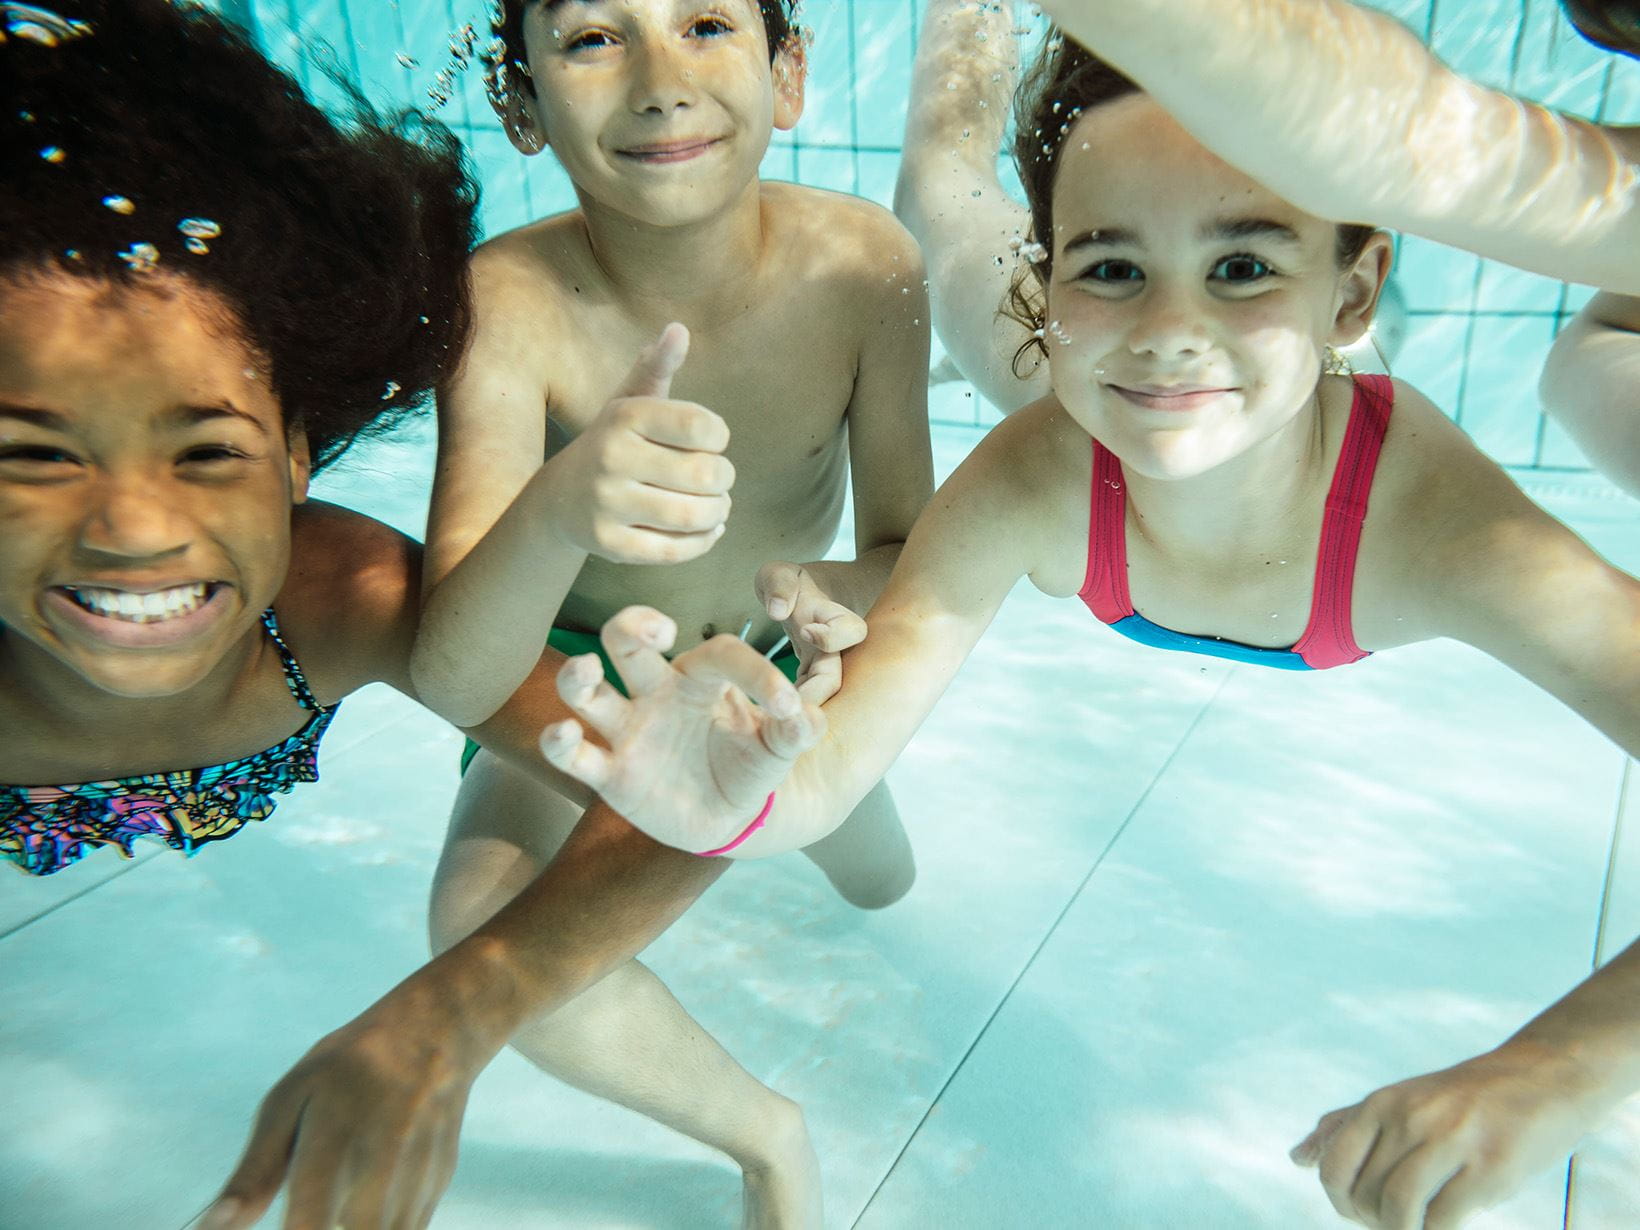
(1183, 908)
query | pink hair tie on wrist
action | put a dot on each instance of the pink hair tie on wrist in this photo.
(751, 828)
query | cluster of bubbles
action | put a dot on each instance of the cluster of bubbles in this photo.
(463, 42)
(144, 257)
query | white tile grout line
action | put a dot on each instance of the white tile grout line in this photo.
(1046, 936)
(131, 866)
(1627, 792)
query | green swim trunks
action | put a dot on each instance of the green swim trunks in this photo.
(569, 642)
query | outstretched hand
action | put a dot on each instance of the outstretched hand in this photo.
(819, 627)
(646, 482)
(1425, 1153)
(364, 1129)
(690, 758)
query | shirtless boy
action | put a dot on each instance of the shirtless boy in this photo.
(805, 330)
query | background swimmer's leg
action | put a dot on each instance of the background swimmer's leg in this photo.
(868, 858)
(949, 197)
(1591, 386)
(625, 1038)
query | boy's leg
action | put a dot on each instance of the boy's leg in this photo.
(950, 198)
(625, 1038)
(868, 858)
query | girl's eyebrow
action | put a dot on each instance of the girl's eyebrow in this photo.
(1238, 227)
(182, 416)
(50, 420)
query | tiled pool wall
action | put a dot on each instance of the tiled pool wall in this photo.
(1476, 331)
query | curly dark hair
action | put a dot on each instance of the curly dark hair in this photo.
(1065, 80)
(1612, 24)
(779, 23)
(158, 131)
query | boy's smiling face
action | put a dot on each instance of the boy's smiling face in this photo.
(146, 481)
(658, 109)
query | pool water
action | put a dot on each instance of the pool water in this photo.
(1170, 910)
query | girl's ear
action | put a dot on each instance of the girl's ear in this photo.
(301, 462)
(791, 74)
(513, 109)
(1359, 289)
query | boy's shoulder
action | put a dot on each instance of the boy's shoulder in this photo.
(851, 235)
(534, 261)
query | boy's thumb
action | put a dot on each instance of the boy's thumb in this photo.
(651, 375)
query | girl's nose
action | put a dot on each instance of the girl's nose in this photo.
(134, 518)
(1168, 326)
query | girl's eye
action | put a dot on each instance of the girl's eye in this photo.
(1115, 271)
(1241, 268)
(36, 454)
(207, 454)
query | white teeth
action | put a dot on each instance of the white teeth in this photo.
(140, 608)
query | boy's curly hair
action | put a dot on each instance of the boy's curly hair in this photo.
(342, 248)
(1065, 80)
(507, 23)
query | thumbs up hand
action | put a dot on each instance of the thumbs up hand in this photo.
(646, 482)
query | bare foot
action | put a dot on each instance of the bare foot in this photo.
(782, 1190)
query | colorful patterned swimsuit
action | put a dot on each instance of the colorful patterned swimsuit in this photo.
(45, 828)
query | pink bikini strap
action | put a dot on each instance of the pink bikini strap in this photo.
(1104, 585)
(1329, 640)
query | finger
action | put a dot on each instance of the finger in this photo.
(436, 1170)
(789, 738)
(682, 426)
(1469, 1190)
(582, 684)
(372, 1177)
(728, 660)
(658, 362)
(1343, 1156)
(317, 1184)
(1406, 1189)
(565, 748)
(262, 1167)
(676, 467)
(635, 638)
(629, 545)
(673, 512)
(821, 679)
(777, 584)
(1307, 1152)
(836, 632)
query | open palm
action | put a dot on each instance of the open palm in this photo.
(690, 758)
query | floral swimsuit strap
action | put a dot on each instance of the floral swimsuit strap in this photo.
(45, 828)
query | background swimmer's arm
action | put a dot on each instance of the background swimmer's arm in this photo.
(1343, 111)
(949, 197)
(496, 572)
(1591, 385)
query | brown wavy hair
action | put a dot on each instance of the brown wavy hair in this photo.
(1065, 81)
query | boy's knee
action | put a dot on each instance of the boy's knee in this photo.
(879, 892)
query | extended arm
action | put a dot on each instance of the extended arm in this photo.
(950, 198)
(1501, 574)
(690, 759)
(1342, 111)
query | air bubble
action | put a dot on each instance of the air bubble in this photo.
(393, 388)
(141, 257)
(119, 204)
(199, 228)
(53, 153)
